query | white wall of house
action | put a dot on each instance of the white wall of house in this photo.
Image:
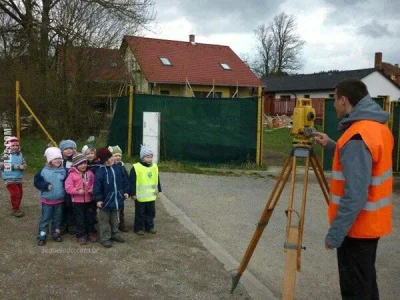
(378, 85)
(313, 94)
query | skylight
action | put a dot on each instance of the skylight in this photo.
(225, 66)
(165, 61)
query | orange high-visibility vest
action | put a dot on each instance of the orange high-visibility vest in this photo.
(375, 219)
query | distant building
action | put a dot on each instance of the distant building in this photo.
(281, 91)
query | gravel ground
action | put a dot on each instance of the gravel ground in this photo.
(228, 208)
(173, 264)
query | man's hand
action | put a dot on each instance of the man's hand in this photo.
(100, 204)
(50, 187)
(126, 196)
(134, 197)
(320, 138)
(21, 167)
(328, 247)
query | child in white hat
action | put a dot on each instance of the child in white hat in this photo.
(50, 182)
(145, 185)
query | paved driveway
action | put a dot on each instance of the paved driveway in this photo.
(228, 208)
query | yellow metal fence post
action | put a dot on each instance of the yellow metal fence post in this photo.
(17, 112)
(130, 120)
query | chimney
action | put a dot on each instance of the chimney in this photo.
(191, 38)
(378, 60)
(396, 65)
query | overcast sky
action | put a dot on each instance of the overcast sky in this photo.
(339, 34)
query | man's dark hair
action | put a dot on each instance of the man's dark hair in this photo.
(352, 89)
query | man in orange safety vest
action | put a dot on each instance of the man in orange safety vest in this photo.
(360, 206)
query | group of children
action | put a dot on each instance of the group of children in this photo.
(79, 189)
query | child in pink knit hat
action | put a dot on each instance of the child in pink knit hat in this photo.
(12, 165)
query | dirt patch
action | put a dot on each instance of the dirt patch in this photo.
(173, 264)
(274, 158)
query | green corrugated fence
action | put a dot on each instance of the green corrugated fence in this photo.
(192, 129)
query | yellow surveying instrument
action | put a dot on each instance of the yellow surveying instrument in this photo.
(302, 128)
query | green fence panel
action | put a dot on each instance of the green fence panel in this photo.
(396, 132)
(331, 123)
(192, 129)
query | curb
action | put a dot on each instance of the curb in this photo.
(253, 286)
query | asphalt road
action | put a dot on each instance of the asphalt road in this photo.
(228, 208)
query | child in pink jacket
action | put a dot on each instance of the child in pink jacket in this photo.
(79, 185)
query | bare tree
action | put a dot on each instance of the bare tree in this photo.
(279, 47)
(38, 28)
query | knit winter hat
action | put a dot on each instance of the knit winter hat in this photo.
(77, 159)
(10, 141)
(52, 153)
(64, 144)
(115, 150)
(87, 147)
(145, 150)
(103, 154)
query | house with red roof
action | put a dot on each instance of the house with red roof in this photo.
(190, 69)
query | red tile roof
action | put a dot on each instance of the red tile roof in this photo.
(198, 63)
(389, 69)
(95, 64)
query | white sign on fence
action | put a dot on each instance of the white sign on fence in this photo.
(151, 132)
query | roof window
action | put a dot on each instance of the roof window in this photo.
(165, 61)
(225, 66)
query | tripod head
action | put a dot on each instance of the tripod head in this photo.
(303, 123)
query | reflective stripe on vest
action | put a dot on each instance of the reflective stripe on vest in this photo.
(369, 206)
(376, 180)
(146, 182)
(375, 219)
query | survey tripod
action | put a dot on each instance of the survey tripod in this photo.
(302, 148)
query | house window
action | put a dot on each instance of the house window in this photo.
(225, 66)
(331, 95)
(165, 61)
(164, 92)
(307, 96)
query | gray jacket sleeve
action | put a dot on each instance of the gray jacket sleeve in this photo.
(331, 146)
(356, 161)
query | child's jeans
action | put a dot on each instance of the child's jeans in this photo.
(84, 213)
(108, 224)
(15, 190)
(51, 214)
(145, 212)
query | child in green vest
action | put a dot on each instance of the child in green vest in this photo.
(145, 184)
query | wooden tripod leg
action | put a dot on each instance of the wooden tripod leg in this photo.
(263, 221)
(292, 237)
(302, 213)
(321, 178)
